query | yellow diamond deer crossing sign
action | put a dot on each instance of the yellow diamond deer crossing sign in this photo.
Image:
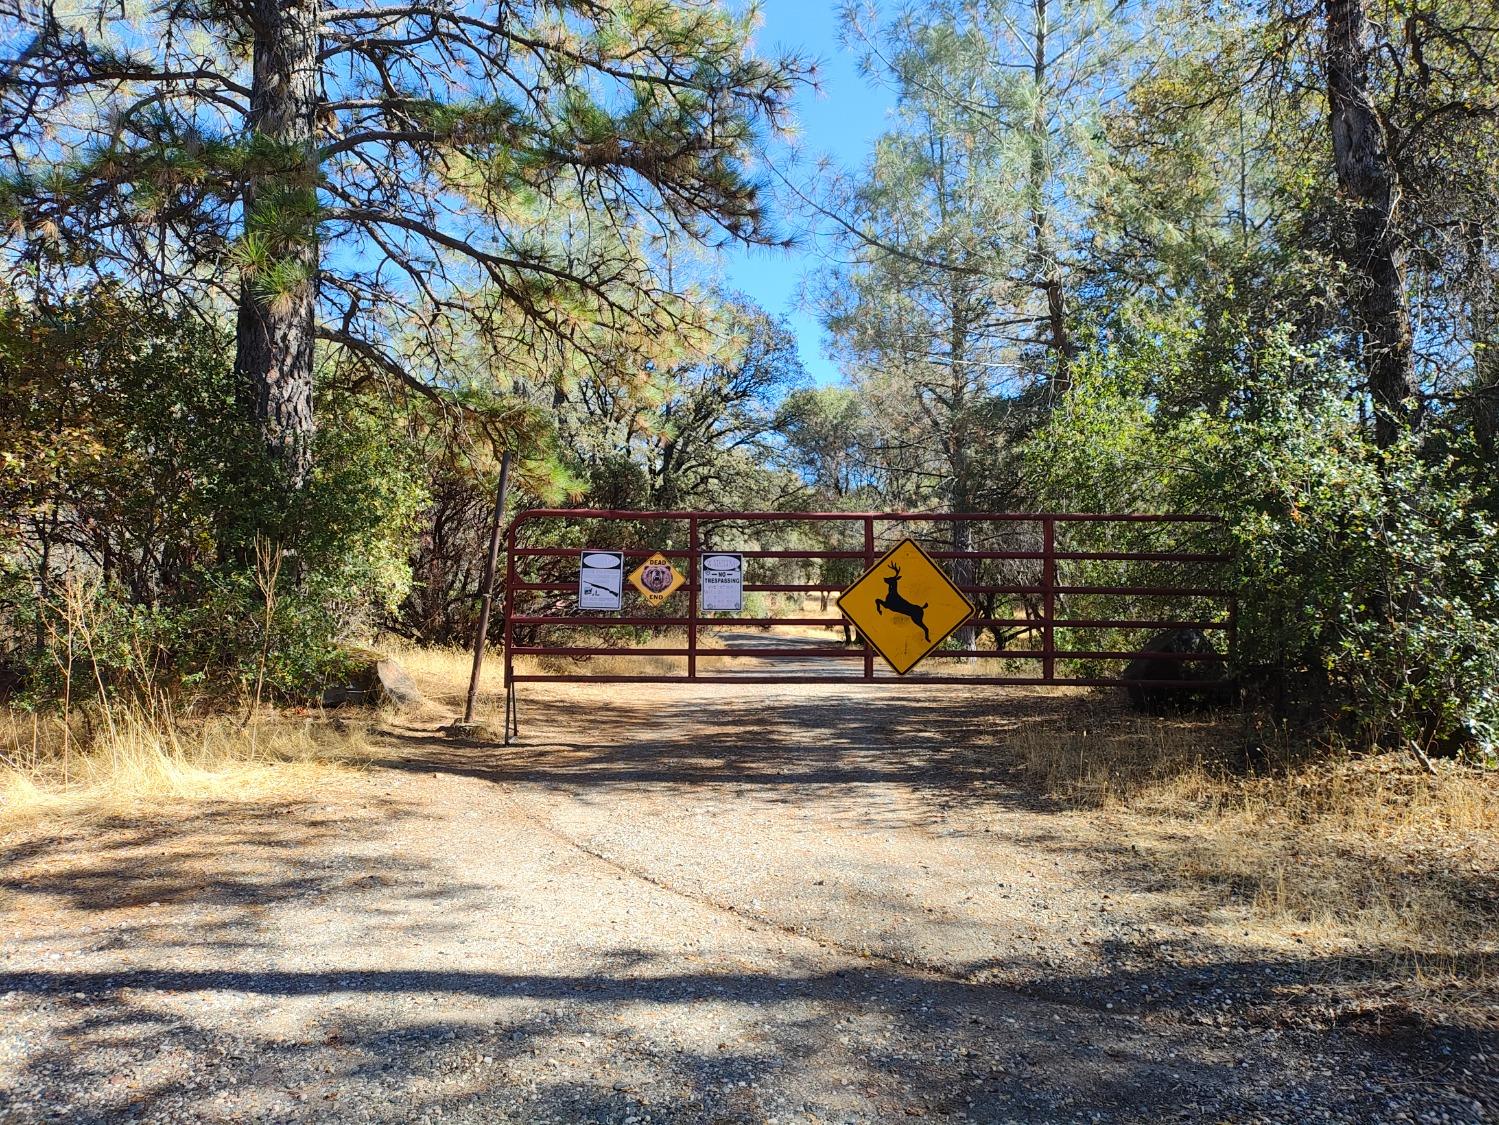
(905, 606)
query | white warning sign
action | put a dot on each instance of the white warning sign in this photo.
(723, 582)
(601, 579)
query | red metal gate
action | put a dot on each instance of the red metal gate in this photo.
(1028, 559)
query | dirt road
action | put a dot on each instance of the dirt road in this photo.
(736, 904)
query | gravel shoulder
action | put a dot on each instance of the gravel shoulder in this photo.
(725, 904)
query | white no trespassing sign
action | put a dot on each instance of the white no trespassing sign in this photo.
(723, 581)
(601, 579)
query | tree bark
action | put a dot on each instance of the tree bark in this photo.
(1048, 270)
(962, 486)
(1362, 159)
(1483, 305)
(274, 332)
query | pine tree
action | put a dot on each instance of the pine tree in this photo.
(382, 176)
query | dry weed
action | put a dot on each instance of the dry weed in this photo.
(1117, 759)
(107, 760)
(442, 673)
(1363, 855)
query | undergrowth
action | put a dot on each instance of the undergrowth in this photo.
(102, 760)
(1361, 855)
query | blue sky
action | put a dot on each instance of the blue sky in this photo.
(840, 120)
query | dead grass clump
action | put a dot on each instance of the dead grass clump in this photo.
(442, 673)
(1122, 759)
(115, 759)
(1367, 856)
(1370, 853)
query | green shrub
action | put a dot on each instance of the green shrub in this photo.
(1367, 579)
(141, 511)
(1372, 574)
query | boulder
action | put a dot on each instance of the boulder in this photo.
(395, 685)
(1209, 674)
(377, 680)
(12, 679)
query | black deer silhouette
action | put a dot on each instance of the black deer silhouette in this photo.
(897, 604)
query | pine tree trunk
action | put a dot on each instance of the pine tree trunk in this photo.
(1362, 160)
(274, 333)
(964, 574)
(1048, 269)
(962, 486)
(1483, 305)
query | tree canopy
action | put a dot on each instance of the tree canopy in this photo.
(385, 177)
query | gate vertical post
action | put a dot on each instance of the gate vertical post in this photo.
(1049, 598)
(692, 599)
(507, 681)
(868, 563)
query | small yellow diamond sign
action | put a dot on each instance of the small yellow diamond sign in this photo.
(656, 578)
(905, 606)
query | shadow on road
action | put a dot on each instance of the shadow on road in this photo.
(1195, 1033)
(926, 1047)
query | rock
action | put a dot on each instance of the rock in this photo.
(1208, 673)
(395, 685)
(12, 679)
(472, 732)
(379, 680)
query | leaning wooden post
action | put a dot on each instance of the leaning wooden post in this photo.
(487, 587)
(694, 577)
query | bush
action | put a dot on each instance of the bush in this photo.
(1372, 575)
(141, 510)
(1367, 579)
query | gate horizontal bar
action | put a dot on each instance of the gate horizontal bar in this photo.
(702, 653)
(628, 552)
(756, 553)
(1148, 591)
(882, 680)
(826, 587)
(533, 619)
(1032, 623)
(771, 651)
(1083, 624)
(627, 516)
(1141, 556)
(1081, 654)
(556, 620)
(750, 587)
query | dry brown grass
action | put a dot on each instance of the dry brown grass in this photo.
(1117, 760)
(119, 759)
(1357, 855)
(102, 753)
(442, 673)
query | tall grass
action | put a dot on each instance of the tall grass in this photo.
(1365, 854)
(115, 742)
(101, 762)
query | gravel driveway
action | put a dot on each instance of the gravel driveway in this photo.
(726, 904)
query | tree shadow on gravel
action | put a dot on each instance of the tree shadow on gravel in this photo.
(873, 1044)
(798, 745)
(127, 877)
(829, 749)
